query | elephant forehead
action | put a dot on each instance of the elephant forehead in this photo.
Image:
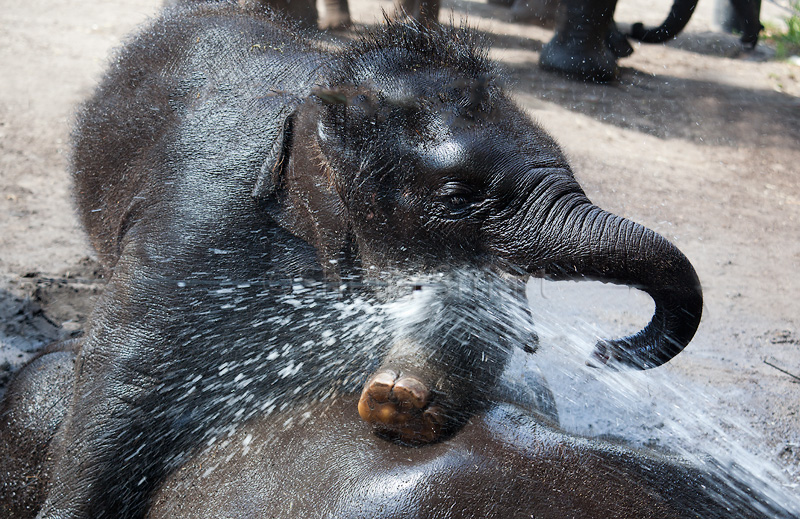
(481, 158)
(429, 89)
(436, 84)
(442, 150)
(477, 150)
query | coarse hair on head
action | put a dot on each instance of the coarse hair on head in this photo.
(407, 46)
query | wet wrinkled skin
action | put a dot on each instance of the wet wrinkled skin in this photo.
(318, 460)
(31, 415)
(256, 197)
(507, 462)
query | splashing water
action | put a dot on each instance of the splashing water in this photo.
(472, 313)
(654, 408)
(318, 342)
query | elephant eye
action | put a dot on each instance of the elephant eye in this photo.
(456, 197)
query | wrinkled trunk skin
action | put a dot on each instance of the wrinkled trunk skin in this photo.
(578, 240)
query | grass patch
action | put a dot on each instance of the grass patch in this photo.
(787, 43)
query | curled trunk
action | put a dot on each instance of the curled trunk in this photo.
(592, 244)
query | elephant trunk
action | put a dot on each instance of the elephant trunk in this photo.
(596, 245)
(678, 17)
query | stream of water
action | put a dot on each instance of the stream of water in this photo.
(659, 408)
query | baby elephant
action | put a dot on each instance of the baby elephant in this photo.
(280, 219)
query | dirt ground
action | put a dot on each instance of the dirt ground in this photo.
(697, 140)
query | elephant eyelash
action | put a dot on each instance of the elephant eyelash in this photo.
(457, 198)
(455, 189)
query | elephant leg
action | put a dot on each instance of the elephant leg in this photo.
(337, 15)
(425, 12)
(126, 427)
(748, 13)
(417, 402)
(445, 361)
(400, 406)
(417, 396)
(579, 47)
(32, 411)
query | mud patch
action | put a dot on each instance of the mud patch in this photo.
(37, 309)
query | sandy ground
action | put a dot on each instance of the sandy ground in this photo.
(697, 141)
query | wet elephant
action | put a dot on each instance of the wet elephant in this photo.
(507, 462)
(260, 201)
(31, 415)
(320, 460)
(587, 42)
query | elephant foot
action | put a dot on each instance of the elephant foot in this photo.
(402, 408)
(598, 65)
(580, 47)
(336, 21)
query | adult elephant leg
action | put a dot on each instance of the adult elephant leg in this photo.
(578, 48)
(337, 15)
(425, 12)
(748, 13)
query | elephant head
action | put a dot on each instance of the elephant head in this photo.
(413, 158)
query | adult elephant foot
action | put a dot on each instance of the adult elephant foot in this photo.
(401, 407)
(579, 47)
(425, 12)
(337, 15)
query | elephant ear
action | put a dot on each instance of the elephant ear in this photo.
(271, 174)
